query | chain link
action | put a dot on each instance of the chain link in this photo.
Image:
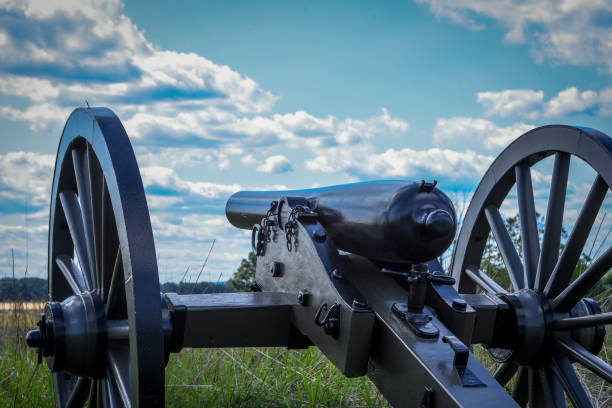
(268, 223)
(291, 227)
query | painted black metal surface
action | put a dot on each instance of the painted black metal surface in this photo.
(393, 222)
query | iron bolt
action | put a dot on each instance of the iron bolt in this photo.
(303, 296)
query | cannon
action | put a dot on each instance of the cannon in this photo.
(350, 269)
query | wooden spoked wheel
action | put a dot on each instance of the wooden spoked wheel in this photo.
(104, 315)
(556, 323)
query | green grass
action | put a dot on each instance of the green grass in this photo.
(239, 377)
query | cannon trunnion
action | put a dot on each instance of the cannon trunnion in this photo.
(350, 269)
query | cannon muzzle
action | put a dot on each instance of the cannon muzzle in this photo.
(390, 222)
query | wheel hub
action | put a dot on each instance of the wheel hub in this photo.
(72, 335)
(534, 331)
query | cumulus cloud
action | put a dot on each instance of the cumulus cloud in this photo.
(405, 163)
(571, 100)
(466, 131)
(510, 102)
(575, 32)
(26, 175)
(530, 104)
(164, 181)
(180, 110)
(275, 164)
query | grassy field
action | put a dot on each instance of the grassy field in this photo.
(262, 377)
(271, 377)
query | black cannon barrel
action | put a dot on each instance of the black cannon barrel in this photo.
(393, 222)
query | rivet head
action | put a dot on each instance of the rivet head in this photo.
(319, 236)
(336, 274)
(459, 304)
(303, 297)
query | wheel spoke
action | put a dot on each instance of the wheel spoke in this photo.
(115, 292)
(551, 389)
(96, 181)
(586, 358)
(484, 280)
(580, 287)
(79, 394)
(595, 320)
(529, 223)
(111, 397)
(520, 393)
(506, 247)
(80, 159)
(551, 240)
(118, 360)
(110, 242)
(71, 272)
(566, 375)
(536, 391)
(93, 394)
(72, 211)
(564, 268)
(505, 372)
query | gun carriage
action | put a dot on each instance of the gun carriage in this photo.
(350, 269)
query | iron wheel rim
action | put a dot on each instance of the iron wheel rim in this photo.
(117, 259)
(541, 268)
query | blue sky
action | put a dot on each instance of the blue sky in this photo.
(219, 96)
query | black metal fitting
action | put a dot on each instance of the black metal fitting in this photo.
(319, 236)
(427, 187)
(417, 288)
(304, 297)
(331, 321)
(336, 274)
(358, 304)
(276, 269)
(459, 304)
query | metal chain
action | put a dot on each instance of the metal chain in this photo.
(291, 227)
(268, 222)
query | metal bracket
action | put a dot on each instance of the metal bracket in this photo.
(420, 323)
(460, 361)
(331, 321)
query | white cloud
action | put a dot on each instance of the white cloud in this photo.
(26, 176)
(434, 162)
(509, 102)
(165, 179)
(477, 133)
(530, 104)
(275, 165)
(571, 100)
(249, 160)
(575, 32)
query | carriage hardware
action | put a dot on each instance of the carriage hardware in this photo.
(264, 233)
(330, 322)
(369, 250)
(291, 226)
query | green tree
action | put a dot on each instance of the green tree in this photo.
(244, 277)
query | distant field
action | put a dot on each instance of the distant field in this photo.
(29, 306)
